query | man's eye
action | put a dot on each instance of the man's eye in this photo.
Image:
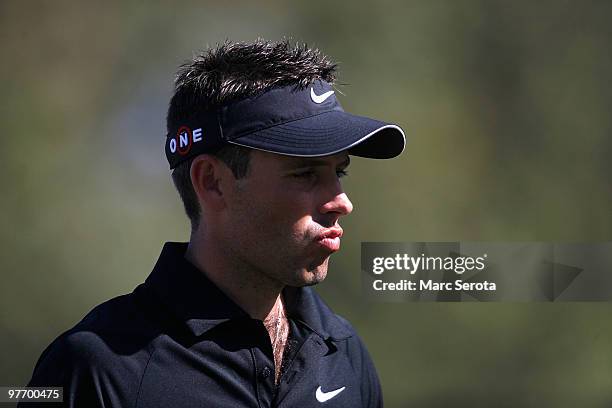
(304, 174)
(341, 173)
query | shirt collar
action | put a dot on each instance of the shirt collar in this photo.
(201, 305)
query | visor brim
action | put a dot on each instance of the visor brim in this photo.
(329, 133)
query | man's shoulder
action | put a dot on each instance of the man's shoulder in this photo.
(352, 335)
(355, 347)
(123, 317)
(128, 314)
(346, 324)
(115, 336)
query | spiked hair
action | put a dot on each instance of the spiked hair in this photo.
(231, 71)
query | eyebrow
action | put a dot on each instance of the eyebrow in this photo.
(313, 162)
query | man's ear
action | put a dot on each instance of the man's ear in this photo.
(206, 174)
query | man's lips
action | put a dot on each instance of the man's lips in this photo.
(330, 238)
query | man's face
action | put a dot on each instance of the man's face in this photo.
(282, 218)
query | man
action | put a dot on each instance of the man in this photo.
(258, 143)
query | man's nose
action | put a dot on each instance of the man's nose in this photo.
(339, 204)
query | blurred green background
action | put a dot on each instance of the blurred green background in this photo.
(507, 109)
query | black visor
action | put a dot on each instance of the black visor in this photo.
(305, 122)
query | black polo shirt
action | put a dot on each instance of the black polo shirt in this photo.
(178, 341)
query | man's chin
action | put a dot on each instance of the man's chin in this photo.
(313, 282)
(311, 277)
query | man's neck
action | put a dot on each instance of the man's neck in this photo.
(257, 295)
(254, 292)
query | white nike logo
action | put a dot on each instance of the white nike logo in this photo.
(324, 396)
(319, 98)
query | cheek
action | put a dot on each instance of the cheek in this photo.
(271, 220)
(286, 210)
(291, 216)
(275, 218)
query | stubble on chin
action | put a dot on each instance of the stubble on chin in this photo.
(316, 272)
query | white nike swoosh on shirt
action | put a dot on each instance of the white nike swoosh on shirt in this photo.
(324, 396)
(319, 98)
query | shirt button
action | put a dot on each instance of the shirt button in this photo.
(265, 372)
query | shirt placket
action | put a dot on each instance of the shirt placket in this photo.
(263, 361)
